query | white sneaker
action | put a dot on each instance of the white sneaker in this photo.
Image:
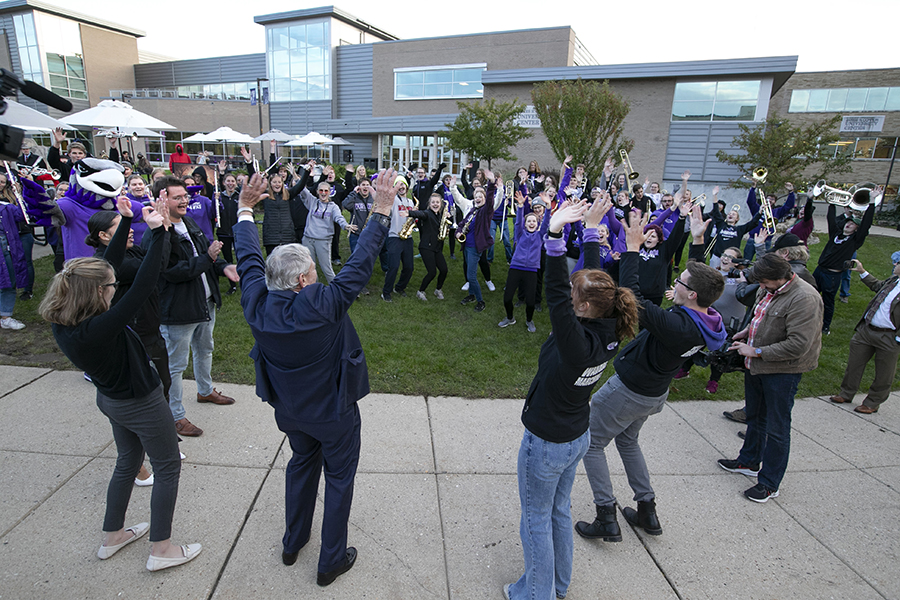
(10, 323)
(530, 326)
(490, 285)
(465, 287)
(421, 296)
(506, 322)
(439, 294)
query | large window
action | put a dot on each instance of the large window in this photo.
(871, 148)
(715, 101)
(429, 83)
(67, 76)
(845, 100)
(299, 61)
(29, 56)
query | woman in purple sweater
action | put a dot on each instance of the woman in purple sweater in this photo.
(525, 263)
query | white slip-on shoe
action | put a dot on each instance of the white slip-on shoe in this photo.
(144, 482)
(158, 563)
(138, 530)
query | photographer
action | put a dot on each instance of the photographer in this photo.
(731, 268)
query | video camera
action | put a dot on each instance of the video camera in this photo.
(11, 137)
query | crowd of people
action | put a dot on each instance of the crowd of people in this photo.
(141, 282)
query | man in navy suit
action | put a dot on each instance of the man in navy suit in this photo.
(311, 368)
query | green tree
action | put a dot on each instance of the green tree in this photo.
(790, 153)
(584, 119)
(487, 130)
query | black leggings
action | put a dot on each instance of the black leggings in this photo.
(525, 281)
(434, 260)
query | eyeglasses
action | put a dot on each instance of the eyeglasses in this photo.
(180, 198)
(678, 280)
(114, 284)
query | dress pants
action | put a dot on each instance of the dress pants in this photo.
(866, 343)
(335, 446)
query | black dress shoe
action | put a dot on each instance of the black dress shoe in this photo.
(328, 578)
(289, 558)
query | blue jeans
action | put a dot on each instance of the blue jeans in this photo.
(354, 238)
(180, 341)
(845, 281)
(546, 473)
(472, 256)
(399, 252)
(828, 282)
(770, 399)
(502, 225)
(750, 247)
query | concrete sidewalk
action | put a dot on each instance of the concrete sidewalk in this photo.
(436, 511)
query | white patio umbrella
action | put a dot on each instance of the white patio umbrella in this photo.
(242, 138)
(227, 134)
(201, 137)
(113, 113)
(19, 115)
(128, 132)
(310, 139)
(339, 141)
(273, 134)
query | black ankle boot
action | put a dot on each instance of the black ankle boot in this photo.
(604, 526)
(644, 517)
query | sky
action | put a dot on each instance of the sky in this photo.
(824, 38)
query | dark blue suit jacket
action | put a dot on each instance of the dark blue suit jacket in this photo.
(310, 364)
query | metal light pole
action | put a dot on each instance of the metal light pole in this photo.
(259, 81)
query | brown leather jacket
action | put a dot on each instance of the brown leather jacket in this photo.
(790, 334)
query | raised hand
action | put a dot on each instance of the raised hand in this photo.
(634, 231)
(152, 217)
(789, 186)
(273, 146)
(245, 152)
(567, 160)
(698, 225)
(715, 191)
(59, 136)
(253, 192)
(385, 191)
(520, 199)
(123, 205)
(761, 236)
(686, 175)
(595, 213)
(567, 213)
(223, 166)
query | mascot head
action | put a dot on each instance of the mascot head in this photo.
(96, 182)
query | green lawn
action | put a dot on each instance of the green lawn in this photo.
(440, 348)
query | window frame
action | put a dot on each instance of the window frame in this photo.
(453, 82)
(673, 118)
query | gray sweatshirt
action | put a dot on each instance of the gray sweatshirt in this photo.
(322, 215)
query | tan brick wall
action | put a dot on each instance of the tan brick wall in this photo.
(862, 169)
(109, 60)
(204, 115)
(650, 103)
(547, 48)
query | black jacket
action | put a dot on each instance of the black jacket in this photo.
(429, 227)
(422, 191)
(557, 408)
(228, 206)
(650, 361)
(182, 299)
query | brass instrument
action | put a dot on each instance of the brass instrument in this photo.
(407, 228)
(699, 200)
(759, 177)
(461, 233)
(38, 171)
(736, 208)
(11, 182)
(444, 228)
(632, 174)
(857, 198)
(510, 189)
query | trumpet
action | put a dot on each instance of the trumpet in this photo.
(38, 171)
(699, 200)
(632, 174)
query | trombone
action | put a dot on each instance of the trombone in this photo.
(632, 174)
(759, 177)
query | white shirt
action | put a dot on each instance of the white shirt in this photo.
(882, 317)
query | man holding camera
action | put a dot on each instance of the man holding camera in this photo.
(875, 335)
(781, 343)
